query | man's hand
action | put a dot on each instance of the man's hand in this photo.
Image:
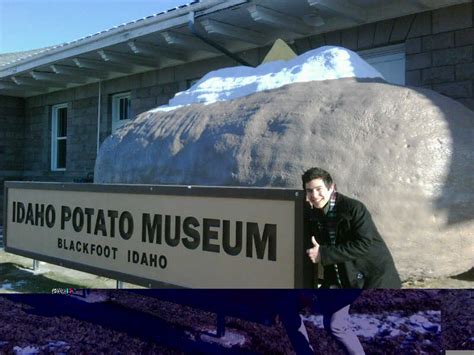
(313, 252)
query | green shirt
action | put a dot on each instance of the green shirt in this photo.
(326, 208)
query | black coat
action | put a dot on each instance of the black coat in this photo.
(362, 256)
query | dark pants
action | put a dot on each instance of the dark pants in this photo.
(334, 305)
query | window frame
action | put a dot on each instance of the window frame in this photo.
(116, 121)
(386, 54)
(55, 138)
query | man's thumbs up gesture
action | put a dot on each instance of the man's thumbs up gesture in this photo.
(313, 252)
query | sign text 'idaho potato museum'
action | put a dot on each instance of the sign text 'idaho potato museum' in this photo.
(206, 237)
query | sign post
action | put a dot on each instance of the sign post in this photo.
(161, 236)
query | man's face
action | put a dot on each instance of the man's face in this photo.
(317, 194)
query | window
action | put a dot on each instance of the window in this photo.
(59, 137)
(389, 61)
(120, 109)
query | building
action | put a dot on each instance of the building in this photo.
(59, 103)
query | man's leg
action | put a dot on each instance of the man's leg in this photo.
(289, 315)
(337, 324)
(297, 333)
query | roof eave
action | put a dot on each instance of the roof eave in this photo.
(108, 38)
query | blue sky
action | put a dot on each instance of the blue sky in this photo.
(31, 24)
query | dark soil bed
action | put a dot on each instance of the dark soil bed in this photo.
(141, 323)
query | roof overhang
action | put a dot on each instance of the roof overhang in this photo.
(165, 40)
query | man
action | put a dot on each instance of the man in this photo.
(341, 236)
(344, 238)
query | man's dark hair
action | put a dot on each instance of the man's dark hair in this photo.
(317, 173)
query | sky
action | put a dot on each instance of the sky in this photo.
(32, 24)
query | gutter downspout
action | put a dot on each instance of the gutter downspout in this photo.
(98, 117)
(210, 42)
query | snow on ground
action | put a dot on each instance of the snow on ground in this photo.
(8, 286)
(324, 63)
(228, 340)
(389, 324)
(42, 269)
(55, 347)
(26, 350)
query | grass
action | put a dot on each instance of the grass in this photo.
(23, 281)
(17, 276)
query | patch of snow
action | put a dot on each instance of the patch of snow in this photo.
(26, 350)
(8, 286)
(324, 63)
(57, 347)
(317, 320)
(45, 267)
(391, 325)
(228, 340)
(42, 269)
(91, 296)
(57, 343)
